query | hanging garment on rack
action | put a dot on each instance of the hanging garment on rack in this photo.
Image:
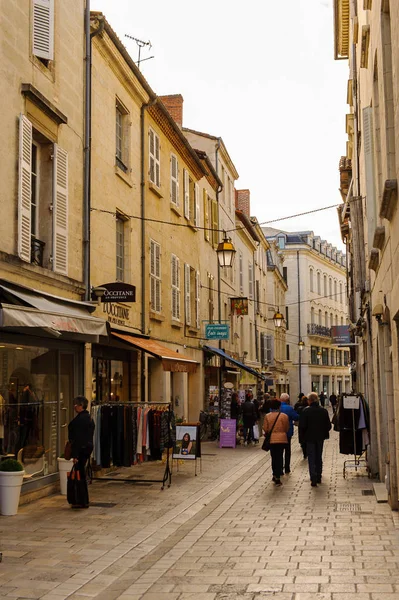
(353, 427)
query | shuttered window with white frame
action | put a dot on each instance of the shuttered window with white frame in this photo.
(197, 300)
(154, 158)
(155, 276)
(186, 193)
(368, 145)
(175, 276)
(60, 211)
(24, 189)
(174, 180)
(250, 281)
(206, 215)
(269, 340)
(197, 205)
(241, 272)
(43, 29)
(187, 294)
(215, 223)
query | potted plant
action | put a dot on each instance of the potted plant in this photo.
(11, 477)
(64, 466)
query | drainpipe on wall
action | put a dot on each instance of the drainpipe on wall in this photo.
(143, 262)
(219, 276)
(87, 149)
(299, 323)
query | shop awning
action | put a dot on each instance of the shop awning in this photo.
(171, 360)
(23, 310)
(232, 360)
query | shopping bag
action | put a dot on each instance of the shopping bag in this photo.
(255, 432)
(77, 493)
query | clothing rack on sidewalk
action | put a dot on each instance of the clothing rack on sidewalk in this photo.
(167, 476)
(351, 402)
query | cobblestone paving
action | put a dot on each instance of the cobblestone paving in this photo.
(227, 534)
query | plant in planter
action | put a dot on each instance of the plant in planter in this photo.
(11, 477)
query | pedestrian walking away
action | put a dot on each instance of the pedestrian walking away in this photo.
(333, 401)
(248, 419)
(292, 417)
(314, 428)
(322, 398)
(80, 435)
(300, 407)
(280, 423)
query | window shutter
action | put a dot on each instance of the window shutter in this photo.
(368, 137)
(269, 348)
(43, 29)
(250, 281)
(186, 194)
(157, 162)
(197, 206)
(187, 293)
(151, 146)
(126, 141)
(215, 232)
(24, 189)
(60, 211)
(197, 300)
(173, 181)
(206, 216)
(241, 275)
(175, 287)
(178, 288)
(158, 280)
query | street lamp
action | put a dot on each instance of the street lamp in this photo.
(226, 252)
(319, 354)
(301, 345)
(278, 319)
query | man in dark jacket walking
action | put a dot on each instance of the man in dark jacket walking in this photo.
(314, 426)
(248, 420)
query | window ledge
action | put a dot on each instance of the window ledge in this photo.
(175, 209)
(177, 324)
(157, 190)
(192, 329)
(125, 176)
(156, 317)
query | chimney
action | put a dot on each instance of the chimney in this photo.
(174, 106)
(243, 201)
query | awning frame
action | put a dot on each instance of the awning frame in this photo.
(229, 358)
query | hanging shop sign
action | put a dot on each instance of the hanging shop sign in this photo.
(239, 306)
(217, 331)
(118, 292)
(340, 335)
(116, 314)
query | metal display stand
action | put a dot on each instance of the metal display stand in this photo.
(197, 458)
(352, 402)
(167, 476)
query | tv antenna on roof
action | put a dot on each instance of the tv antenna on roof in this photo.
(141, 45)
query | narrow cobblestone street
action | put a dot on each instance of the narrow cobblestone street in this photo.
(228, 533)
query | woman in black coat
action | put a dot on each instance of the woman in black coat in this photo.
(80, 435)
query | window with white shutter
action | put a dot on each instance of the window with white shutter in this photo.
(155, 276)
(197, 205)
(250, 281)
(154, 158)
(187, 294)
(186, 192)
(206, 215)
(197, 300)
(175, 276)
(215, 224)
(122, 143)
(211, 304)
(241, 272)
(368, 145)
(269, 348)
(43, 29)
(24, 189)
(174, 180)
(60, 211)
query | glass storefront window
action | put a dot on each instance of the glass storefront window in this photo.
(111, 380)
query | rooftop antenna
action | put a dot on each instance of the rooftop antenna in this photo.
(141, 45)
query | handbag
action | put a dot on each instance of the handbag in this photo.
(268, 436)
(77, 493)
(68, 451)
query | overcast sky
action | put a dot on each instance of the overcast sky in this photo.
(260, 74)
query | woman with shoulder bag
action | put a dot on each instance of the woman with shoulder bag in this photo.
(80, 435)
(278, 424)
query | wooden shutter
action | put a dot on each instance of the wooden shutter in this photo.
(197, 300)
(186, 192)
(126, 124)
(368, 137)
(24, 189)
(215, 224)
(250, 281)
(60, 211)
(206, 216)
(197, 205)
(43, 29)
(174, 186)
(175, 268)
(151, 157)
(187, 294)
(269, 348)
(158, 275)
(157, 162)
(241, 274)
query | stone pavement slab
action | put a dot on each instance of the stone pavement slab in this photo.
(227, 533)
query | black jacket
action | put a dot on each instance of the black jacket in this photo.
(248, 414)
(314, 424)
(80, 434)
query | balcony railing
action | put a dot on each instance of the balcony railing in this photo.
(314, 329)
(37, 251)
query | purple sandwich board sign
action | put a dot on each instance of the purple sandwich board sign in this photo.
(227, 433)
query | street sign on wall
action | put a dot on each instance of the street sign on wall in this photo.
(217, 331)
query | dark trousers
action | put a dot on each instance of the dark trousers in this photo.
(276, 451)
(248, 433)
(287, 456)
(315, 460)
(81, 466)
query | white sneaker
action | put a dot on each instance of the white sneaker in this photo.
(253, 443)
